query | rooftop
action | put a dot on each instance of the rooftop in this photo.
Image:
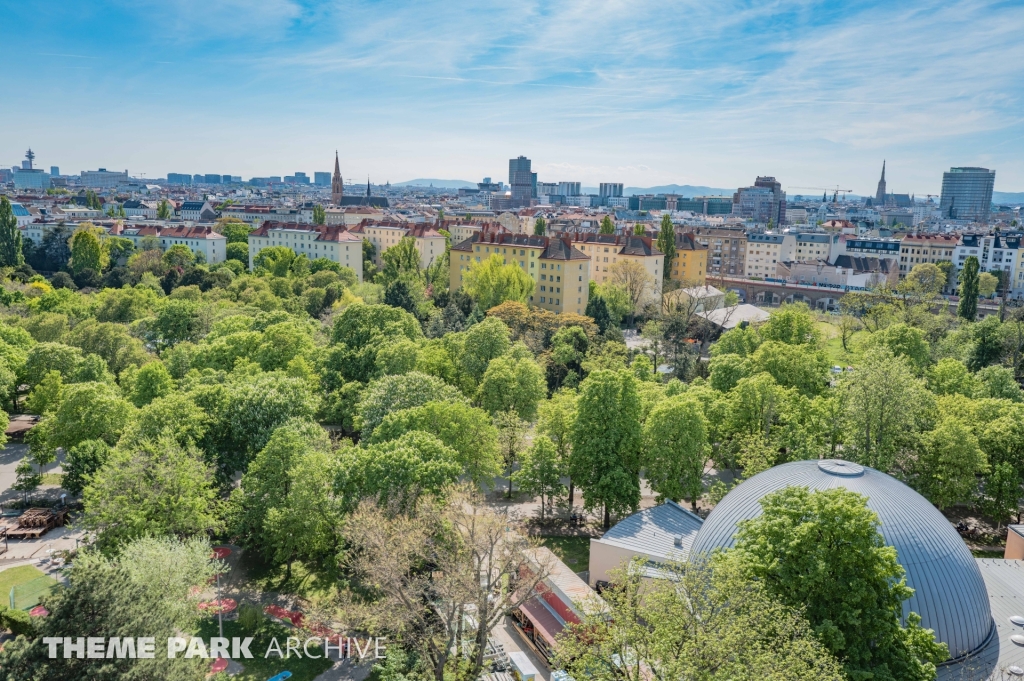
(653, 531)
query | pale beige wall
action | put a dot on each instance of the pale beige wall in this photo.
(604, 558)
(1014, 546)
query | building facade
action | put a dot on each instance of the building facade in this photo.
(727, 250)
(197, 211)
(560, 271)
(690, 266)
(204, 240)
(315, 241)
(925, 248)
(606, 250)
(764, 202)
(967, 194)
(103, 178)
(766, 251)
(384, 234)
(811, 246)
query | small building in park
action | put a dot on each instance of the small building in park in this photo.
(560, 599)
(660, 534)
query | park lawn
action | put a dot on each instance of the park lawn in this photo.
(15, 576)
(53, 479)
(833, 344)
(262, 667)
(266, 578)
(573, 551)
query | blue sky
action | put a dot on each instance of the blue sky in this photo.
(645, 93)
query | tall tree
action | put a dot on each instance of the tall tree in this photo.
(635, 280)
(676, 449)
(86, 249)
(10, 236)
(540, 473)
(556, 418)
(970, 286)
(667, 244)
(492, 282)
(540, 227)
(606, 443)
(319, 215)
(164, 210)
(822, 551)
(607, 226)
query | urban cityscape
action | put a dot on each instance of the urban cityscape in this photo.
(532, 342)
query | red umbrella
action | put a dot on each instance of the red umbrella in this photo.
(221, 605)
(39, 611)
(219, 665)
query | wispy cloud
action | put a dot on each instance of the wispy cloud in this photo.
(599, 90)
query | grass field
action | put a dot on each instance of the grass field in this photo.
(261, 667)
(573, 551)
(53, 479)
(16, 576)
(833, 344)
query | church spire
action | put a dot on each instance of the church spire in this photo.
(367, 185)
(880, 192)
(337, 185)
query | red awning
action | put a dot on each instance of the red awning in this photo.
(546, 624)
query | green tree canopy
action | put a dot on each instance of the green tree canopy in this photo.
(392, 393)
(970, 288)
(667, 244)
(492, 282)
(822, 551)
(676, 449)
(10, 236)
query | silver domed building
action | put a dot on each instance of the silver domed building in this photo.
(949, 591)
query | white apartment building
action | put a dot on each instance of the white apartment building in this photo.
(315, 241)
(811, 246)
(203, 240)
(994, 252)
(766, 251)
(384, 234)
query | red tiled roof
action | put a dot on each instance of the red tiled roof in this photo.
(323, 232)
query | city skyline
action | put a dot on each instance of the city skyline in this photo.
(634, 93)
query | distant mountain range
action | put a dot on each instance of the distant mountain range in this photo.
(684, 189)
(1012, 198)
(689, 190)
(428, 181)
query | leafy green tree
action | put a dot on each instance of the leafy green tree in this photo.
(597, 309)
(607, 226)
(156, 489)
(695, 623)
(153, 380)
(1001, 494)
(144, 590)
(236, 251)
(11, 254)
(540, 474)
(392, 393)
(676, 449)
(87, 411)
(285, 506)
(667, 244)
(512, 384)
(401, 261)
(86, 250)
(998, 382)
(119, 249)
(164, 210)
(726, 370)
(319, 215)
(81, 462)
(792, 366)
(555, 419)
(492, 282)
(467, 430)
(179, 255)
(970, 287)
(606, 443)
(511, 438)
(885, 404)
(398, 471)
(987, 283)
(482, 343)
(822, 551)
(43, 358)
(949, 463)
(792, 324)
(540, 227)
(397, 294)
(950, 376)
(46, 395)
(903, 341)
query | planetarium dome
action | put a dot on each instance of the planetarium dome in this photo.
(949, 592)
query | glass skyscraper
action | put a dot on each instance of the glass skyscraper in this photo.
(967, 193)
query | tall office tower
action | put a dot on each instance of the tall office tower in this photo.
(610, 189)
(522, 181)
(337, 185)
(54, 171)
(967, 194)
(322, 179)
(569, 188)
(880, 192)
(764, 202)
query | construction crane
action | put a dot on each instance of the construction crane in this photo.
(836, 191)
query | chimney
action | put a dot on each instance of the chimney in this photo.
(678, 541)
